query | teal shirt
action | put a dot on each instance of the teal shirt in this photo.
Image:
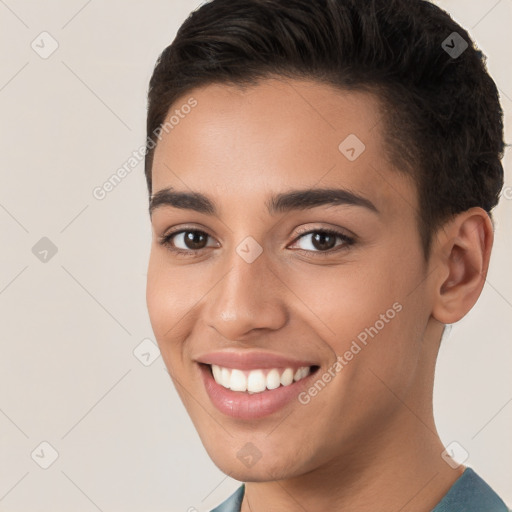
(469, 493)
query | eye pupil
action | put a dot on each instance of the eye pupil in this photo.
(319, 240)
(191, 238)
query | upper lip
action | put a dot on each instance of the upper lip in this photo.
(251, 360)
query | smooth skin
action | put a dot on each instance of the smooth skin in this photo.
(367, 441)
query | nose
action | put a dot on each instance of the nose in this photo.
(248, 297)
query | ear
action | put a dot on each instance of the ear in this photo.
(462, 253)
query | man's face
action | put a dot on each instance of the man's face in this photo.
(355, 307)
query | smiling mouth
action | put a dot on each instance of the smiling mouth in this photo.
(258, 380)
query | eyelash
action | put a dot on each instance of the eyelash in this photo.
(165, 241)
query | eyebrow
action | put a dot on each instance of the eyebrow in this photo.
(279, 203)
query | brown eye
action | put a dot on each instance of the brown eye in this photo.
(324, 241)
(185, 241)
(194, 240)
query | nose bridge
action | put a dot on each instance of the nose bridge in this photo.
(248, 296)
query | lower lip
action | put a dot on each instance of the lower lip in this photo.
(245, 406)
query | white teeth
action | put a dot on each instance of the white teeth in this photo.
(217, 372)
(287, 377)
(256, 381)
(225, 377)
(273, 379)
(238, 381)
(301, 373)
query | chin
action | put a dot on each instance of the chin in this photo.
(254, 470)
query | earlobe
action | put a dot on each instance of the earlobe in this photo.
(463, 255)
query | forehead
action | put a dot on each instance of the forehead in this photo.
(277, 135)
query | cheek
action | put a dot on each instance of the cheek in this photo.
(168, 298)
(366, 311)
(175, 296)
(156, 297)
(383, 322)
(343, 301)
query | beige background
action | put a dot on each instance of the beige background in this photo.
(69, 326)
